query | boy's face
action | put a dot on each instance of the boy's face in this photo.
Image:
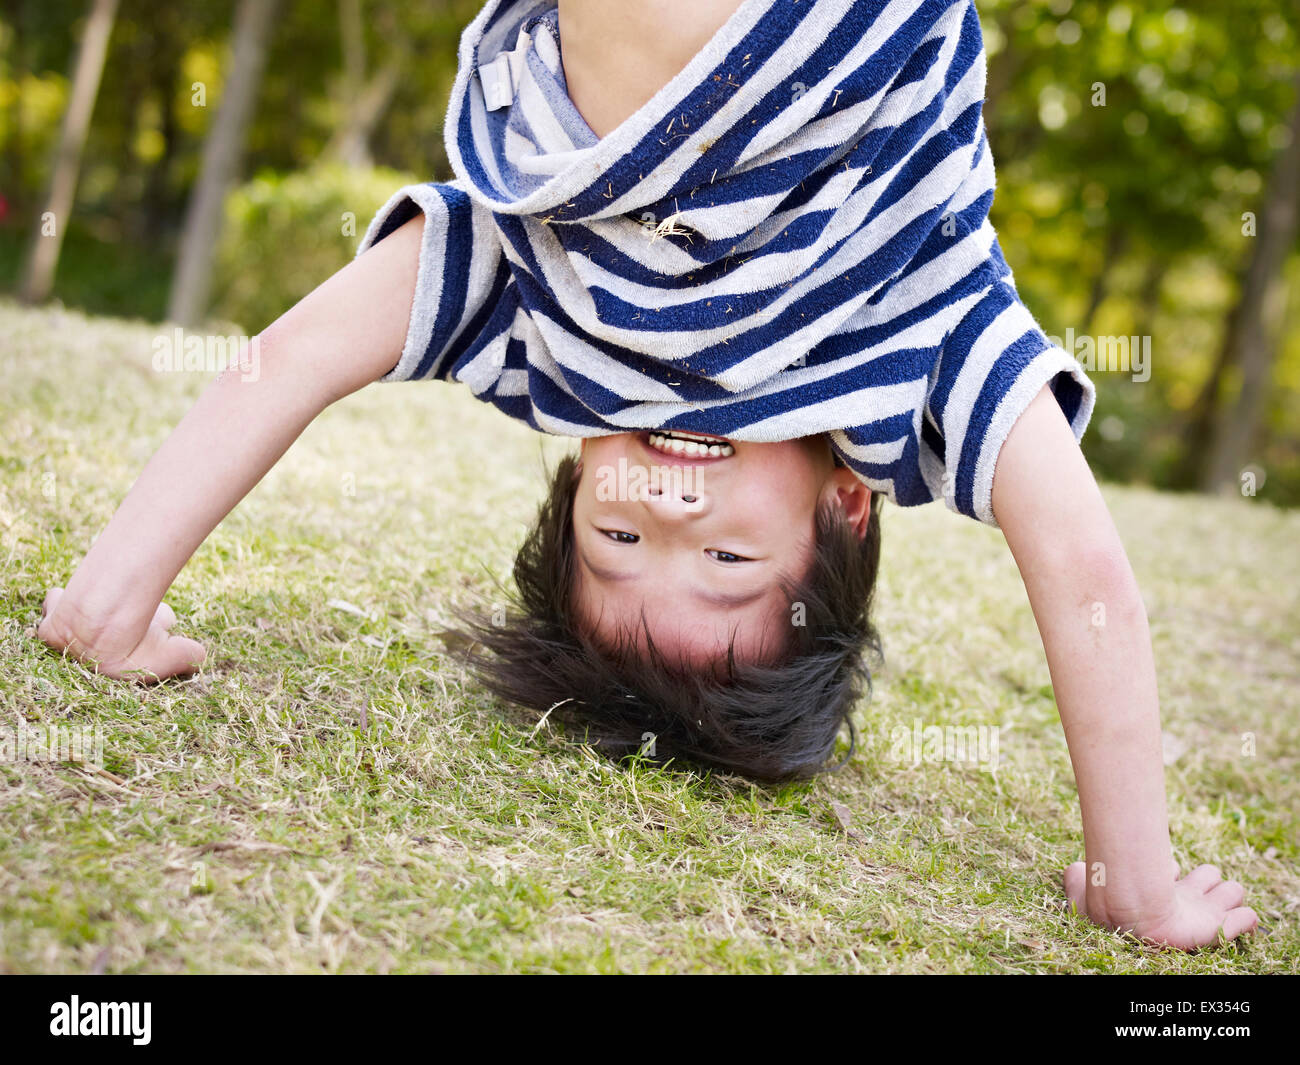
(699, 543)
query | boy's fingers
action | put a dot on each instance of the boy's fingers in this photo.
(160, 656)
(51, 597)
(1203, 878)
(178, 656)
(1227, 894)
(185, 655)
(1242, 919)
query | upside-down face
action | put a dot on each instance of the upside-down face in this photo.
(691, 536)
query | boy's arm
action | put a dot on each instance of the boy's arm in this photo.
(1094, 629)
(343, 335)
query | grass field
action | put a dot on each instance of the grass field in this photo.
(331, 793)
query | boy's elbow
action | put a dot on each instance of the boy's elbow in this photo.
(1098, 575)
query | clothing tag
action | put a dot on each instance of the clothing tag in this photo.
(498, 85)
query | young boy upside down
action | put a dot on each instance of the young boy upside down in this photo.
(745, 244)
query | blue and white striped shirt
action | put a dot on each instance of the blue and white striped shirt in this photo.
(791, 237)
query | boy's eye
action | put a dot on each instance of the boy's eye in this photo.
(621, 537)
(726, 556)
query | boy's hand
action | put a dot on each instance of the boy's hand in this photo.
(341, 336)
(154, 656)
(1094, 625)
(1201, 906)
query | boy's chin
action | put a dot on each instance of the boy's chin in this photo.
(692, 650)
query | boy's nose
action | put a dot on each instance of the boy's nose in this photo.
(676, 503)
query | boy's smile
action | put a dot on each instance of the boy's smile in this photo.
(679, 445)
(698, 544)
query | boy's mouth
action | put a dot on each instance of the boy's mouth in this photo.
(677, 444)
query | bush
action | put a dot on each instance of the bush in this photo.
(286, 233)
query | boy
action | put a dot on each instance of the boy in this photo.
(748, 242)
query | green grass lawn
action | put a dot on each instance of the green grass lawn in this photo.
(331, 793)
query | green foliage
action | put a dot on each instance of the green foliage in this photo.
(286, 233)
(1131, 139)
(97, 273)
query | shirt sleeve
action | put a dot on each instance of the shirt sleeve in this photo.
(990, 368)
(461, 275)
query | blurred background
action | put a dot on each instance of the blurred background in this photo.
(215, 161)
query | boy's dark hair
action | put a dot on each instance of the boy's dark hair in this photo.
(776, 720)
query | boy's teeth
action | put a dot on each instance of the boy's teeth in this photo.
(689, 444)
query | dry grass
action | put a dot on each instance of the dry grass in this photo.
(331, 793)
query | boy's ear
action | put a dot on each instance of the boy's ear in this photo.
(852, 497)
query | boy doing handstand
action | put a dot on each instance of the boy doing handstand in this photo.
(747, 242)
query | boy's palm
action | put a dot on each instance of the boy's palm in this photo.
(156, 655)
(1202, 906)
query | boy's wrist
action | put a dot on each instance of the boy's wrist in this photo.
(75, 626)
(1133, 889)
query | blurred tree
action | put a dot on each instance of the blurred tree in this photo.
(47, 234)
(1251, 340)
(285, 232)
(364, 101)
(221, 157)
(1130, 138)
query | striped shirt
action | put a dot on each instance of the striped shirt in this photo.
(791, 237)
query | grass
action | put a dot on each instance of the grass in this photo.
(331, 793)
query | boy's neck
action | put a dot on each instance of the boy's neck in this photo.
(618, 55)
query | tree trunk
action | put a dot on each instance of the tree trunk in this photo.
(1199, 424)
(15, 186)
(158, 196)
(1005, 67)
(1116, 242)
(352, 40)
(1148, 301)
(363, 104)
(1252, 338)
(222, 151)
(350, 144)
(158, 207)
(52, 223)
